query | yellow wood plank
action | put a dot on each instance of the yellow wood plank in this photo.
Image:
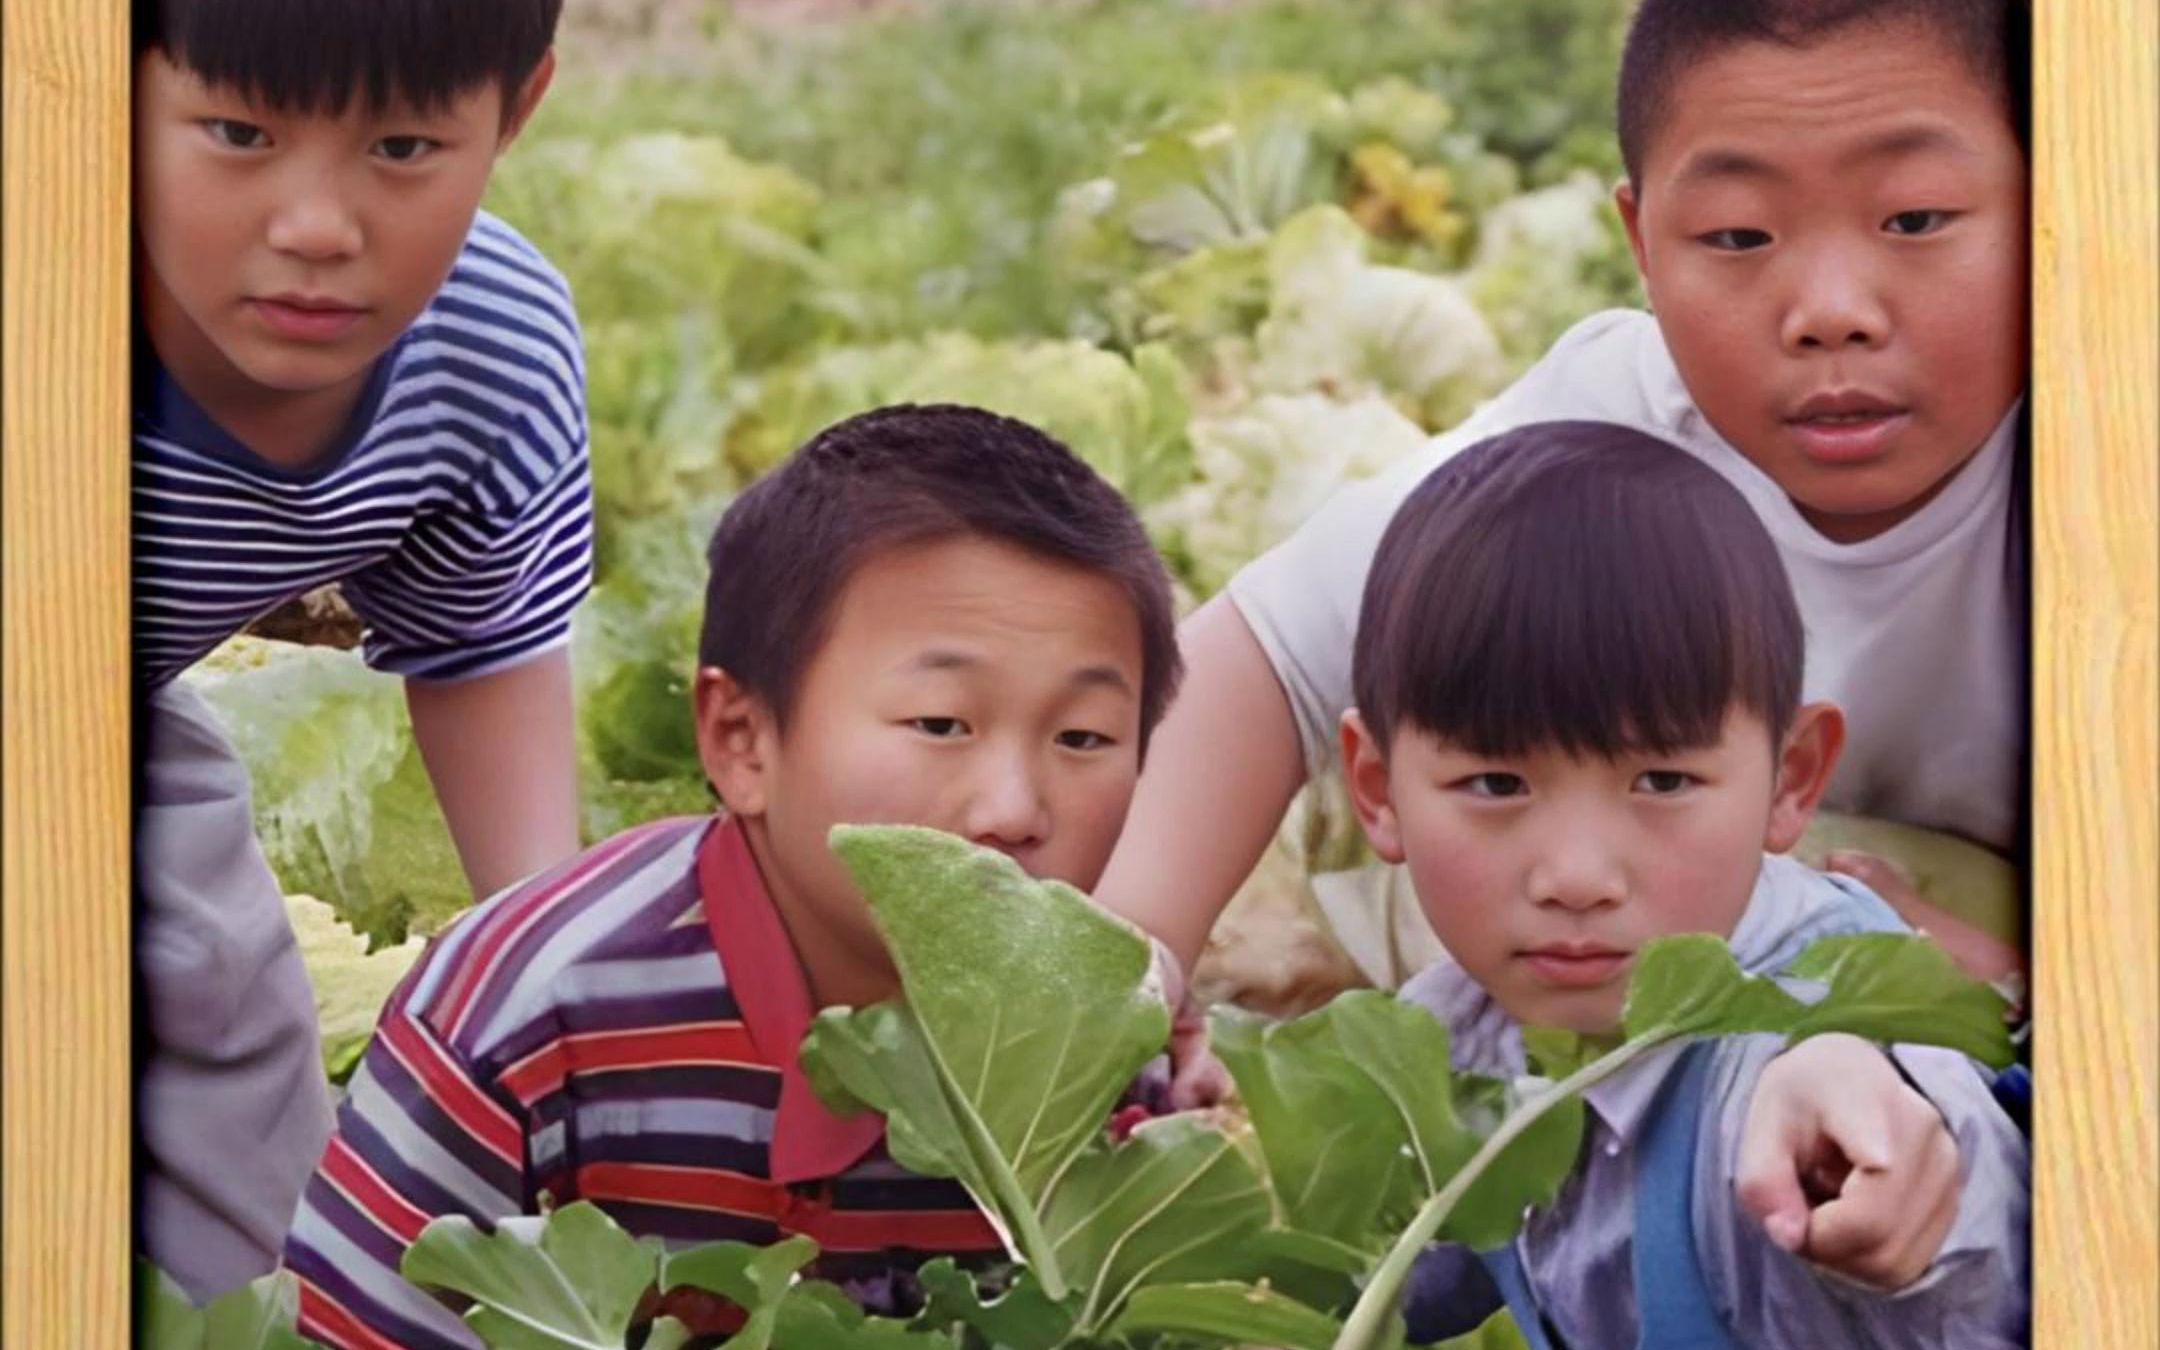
(2096, 886)
(63, 676)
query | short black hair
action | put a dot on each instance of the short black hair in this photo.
(1666, 37)
(907, 475)
(1578, 586)
(320, 56)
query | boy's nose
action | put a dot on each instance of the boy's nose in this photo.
(316, 226)
(1577, 873)
(1008, 811)
(1836, 309)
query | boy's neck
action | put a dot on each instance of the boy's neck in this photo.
(289, 429)
(839, 969)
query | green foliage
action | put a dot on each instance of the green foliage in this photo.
(568, 1281)
(1008, 1102)
(1235, 256)
(256, 1316)
(350, 983)
(1026, 1009)
(343, 807)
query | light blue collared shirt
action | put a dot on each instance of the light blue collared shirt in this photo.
(1577, 1251)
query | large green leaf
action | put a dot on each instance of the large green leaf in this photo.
(1240, 1314)
(1020, 1318)
(1690, 986)
(1498, 1332)
(1361, 1121)
(1887, 987)
(818, 1316)
(1176, 1202)
(256, 1316)
(1890, 987)
(1403, 1049)
(568, 1281)
(755, 1279)
(1529, 1171)
(1335, 1151)
(1028, 1010)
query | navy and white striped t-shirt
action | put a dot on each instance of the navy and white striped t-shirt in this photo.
(456, 513)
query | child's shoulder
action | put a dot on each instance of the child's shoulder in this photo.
(619, 901)
(1610, 366)
(497, 258)
(504, 310)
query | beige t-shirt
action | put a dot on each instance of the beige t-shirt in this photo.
(1916, 633)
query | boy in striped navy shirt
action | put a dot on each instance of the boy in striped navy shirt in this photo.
(931, 616)
(346, 373)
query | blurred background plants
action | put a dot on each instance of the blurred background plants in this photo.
(1236, 253)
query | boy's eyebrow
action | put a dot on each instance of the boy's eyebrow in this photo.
(1913, 140)
(945, 658)
(1109, 677)
(1704, 166)
(1717, 162)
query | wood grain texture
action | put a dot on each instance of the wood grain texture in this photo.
(63, 429)
(2096, 883)
(63, 676)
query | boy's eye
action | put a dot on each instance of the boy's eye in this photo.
(234, 134)
(1664, 782)
(943, 728)
(1084, 740)
(406, 149)
(1916, 222)
(1735, 241)
(1495, 785)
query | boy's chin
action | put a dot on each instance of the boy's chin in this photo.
(296, 374)
(1591, 1013)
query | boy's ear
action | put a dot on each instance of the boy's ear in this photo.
(1365, 772)
(736, 740)
(528, 99)
(1630, 209)
(1805, 763)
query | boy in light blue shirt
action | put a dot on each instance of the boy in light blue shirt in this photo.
(1579, 725)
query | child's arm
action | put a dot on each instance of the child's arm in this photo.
(1222, 768)
(417, 1137)
(1883, 1193)
(1846, 1164)
(1979, 953)
(501, 750)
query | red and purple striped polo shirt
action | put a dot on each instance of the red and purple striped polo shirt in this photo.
(621, 1030)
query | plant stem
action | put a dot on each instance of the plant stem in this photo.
(667, 1334)
(1361, 1331)
(1028, 1233)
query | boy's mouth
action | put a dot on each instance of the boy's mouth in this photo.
(308, 318)
(1574, 965)
(1846, 427)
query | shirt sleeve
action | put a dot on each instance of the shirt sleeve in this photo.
(492, 569)
(418, 1136)
(1977, 1292)
(1301, 598)
(480, 590)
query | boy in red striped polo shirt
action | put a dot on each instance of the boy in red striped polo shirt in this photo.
(928, 615)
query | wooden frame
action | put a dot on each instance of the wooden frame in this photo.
(63, 745)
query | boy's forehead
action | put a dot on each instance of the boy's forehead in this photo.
(935, 596)
(356, 102)
(1904, 87)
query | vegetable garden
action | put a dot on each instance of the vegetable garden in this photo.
(1234, 254)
